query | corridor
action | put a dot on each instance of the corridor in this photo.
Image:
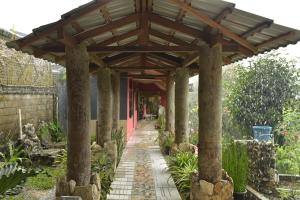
(142, 172)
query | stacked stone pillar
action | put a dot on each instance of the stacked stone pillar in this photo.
(78, 89)
(116, 100)
(170, 108)
(211, 182)
(105, 106)
(181, 105)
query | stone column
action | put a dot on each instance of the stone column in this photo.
(181, 105)
(116, 99)
(105, 103)
(170, 108)
(78, 89)
(211, 182)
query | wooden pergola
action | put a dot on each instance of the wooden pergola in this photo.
(153, 39)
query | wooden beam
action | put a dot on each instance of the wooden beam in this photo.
(168, 38)
(143, 67)
(66, 19)
(158, 62)
(96, 60)
(141, 49)
(108, 19)
(171, 60)
(144, 76)
(144, 28)
(284, 36)
(190, 59)
(106, 28)
(119, 58)
(175, 26)
(117, 38)
(257, 28)
(205, 19)
(66, 39)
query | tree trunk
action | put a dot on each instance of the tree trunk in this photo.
(170, 108)
(181, 105)
(116, 100)
(104, 106)
(210, 114)
(78, 89)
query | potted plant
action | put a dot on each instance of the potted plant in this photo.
(235, 162)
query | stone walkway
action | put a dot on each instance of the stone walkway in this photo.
(142, 174)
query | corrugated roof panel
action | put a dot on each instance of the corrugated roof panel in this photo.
(93, 19)
(184, 37)
(160, 28)
(128, 40)
(157, 40)
(193, 22)
(164, 8)
(211, 8)
(237, 29)
(103, 37)
(125, 29)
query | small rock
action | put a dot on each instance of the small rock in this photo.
(206, 187)
(72, 185)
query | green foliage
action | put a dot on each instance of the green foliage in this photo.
(12, 175)
(181, 166)
(61, 159)
(119, 137)
(288, 155)
(46, 179)
(193, 118)
(14, 155)
(166, 140)
(235, 163)
(260, 91)
(104, 167)
(51, 131)
(162, 121)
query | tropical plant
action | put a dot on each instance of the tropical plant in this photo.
(288, 153)
(51, 131)
(181, 166)
(104, 167)
(119, 137)
(235, 163)
(12, 175)
(13, 155)
(258, 94)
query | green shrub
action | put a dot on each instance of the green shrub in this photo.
(181, 166)
(166, 140)
(235, 163)
(50, 131)
(119, 137)
(194, 138)
(104, 167)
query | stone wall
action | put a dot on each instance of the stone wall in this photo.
(33, 108)
(263, 176)
(26, 83)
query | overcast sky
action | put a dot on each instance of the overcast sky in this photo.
(24, 15)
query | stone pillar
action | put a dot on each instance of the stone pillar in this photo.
(116, 99)
(170, 108)
(105, 103)
(211, 182)
(181, 105)
(78, 89)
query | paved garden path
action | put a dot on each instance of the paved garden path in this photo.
(142, 172)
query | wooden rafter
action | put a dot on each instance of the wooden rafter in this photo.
(117, 38)
(284, 36)
(205, 19)
(106, 28)
(141, 68)
(171, 60)
(190, 59)
(66, 19)
(257, 29)
(108, 19)
(181, 14)
(168, 38)
(175, 26)
(141, 49)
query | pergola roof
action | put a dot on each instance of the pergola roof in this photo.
(160, 35)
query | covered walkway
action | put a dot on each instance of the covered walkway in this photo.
(142, 171)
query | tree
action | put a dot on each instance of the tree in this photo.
(258, 94)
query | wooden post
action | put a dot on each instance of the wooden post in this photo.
(170, 108)
(104, 106)
(116, 99)
(210, 114)
(181, 104)
(78, 86)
